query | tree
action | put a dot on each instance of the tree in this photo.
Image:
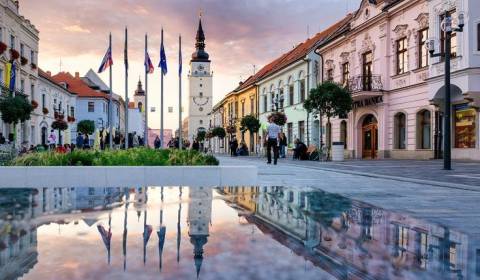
(86, 127)
(329, 99)
(60, 125)
(201, 135)
(15, 109)
(251, 124)
(219, 132)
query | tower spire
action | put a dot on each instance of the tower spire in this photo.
(200, 54)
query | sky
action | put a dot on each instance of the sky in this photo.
(239, 34)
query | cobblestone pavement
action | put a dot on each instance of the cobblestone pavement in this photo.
(451, 206)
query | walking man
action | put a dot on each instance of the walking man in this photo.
(273, 132)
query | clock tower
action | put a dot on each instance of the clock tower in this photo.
(200, 91)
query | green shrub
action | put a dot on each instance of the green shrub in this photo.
(131, 157)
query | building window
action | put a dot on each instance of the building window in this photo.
(343, 133)
(91, 107)
(265, 105)
(43, 101)
(32, 56)
(290, 133)
(367, 59)
(301, 130)
(32, 92)
(465, 127)
(1, 34)
(345, 73)
(22, 50)
(402, 240)
(1, 74)
(280, 98)
(402, 61)
(422, 48)
(272, 101)
(330, 75)
(12, 42)
(478, 37)
(200, 121)
(453, 41)
(72, 111)
(400, 131)
(243, 108)
(200, 94)
(302, 90)
(291, 95)
(424, 131)
(22, 86)
(252, 105)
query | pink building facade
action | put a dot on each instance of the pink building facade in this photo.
(382, 56)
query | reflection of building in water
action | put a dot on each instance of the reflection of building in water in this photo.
(245, 197)
(22, 211)
(199, 217)
(350, 239)
(140, 200)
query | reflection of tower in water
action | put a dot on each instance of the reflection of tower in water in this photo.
(199, 216)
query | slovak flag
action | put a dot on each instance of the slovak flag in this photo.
(107, 61)
(149, 68)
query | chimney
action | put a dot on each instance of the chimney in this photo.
(49, 73)
(77, 75)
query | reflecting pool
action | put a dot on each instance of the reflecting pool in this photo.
(220, 233)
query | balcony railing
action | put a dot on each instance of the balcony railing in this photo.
(4, 90)
(365, 83)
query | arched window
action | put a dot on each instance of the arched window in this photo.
(291, 93)
(140, 106)
(264, 99)
(281, 96)
(343, 133)
(272, 97)
(424, 130)
(400, 133)
(301, 86)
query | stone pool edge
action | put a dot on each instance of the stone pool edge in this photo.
(124, 176)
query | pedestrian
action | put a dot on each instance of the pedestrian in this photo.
(135, 140)
(157, 143)
(79, 141)
(117, 141)
(233, 146)
(86, 142)
(282, 139)
(195, 145)
(2, 139)
(52, 139)
(273, 132)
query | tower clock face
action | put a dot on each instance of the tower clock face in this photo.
(201, 67)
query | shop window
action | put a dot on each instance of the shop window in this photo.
(465, 127)
(400, 133)
(424, 130)
(343, 133)
(402, 61)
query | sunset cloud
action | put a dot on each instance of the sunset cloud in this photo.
(239, 34)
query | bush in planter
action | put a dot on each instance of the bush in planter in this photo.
(14, 54)
(231, 129)
(219, 132)
(279, 118)
(34, 104)
(201, 136)
(60, 125)
(3, 47)
(15, 109)
(23, 61)
(86, 127)
(70, 119)
(45, 111)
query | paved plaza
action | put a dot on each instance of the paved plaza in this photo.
(452, 202)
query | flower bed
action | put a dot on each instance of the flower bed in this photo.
(131, 157)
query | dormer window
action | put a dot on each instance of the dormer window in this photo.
(64, 85)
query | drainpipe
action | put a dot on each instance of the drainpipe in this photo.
(308, 92)
(321, 79)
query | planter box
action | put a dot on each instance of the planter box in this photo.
(127, 176)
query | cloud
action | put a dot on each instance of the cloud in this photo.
(76, 29)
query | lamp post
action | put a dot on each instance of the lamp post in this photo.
(447, 28)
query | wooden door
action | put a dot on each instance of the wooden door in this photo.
(370, 141)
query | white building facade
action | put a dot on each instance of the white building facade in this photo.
(19, 43)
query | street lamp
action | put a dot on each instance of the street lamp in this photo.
(447, 28)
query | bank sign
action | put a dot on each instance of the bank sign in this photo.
(367, 102)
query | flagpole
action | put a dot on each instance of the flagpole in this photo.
(126, 88)
(161, 101)
(145, 134)
(110, 103)
(180, 139)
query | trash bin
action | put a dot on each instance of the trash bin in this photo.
(338, 151)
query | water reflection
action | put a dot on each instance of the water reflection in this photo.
(244, 233)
